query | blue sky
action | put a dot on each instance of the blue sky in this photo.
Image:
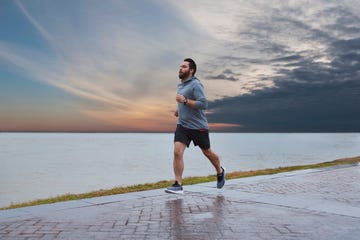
(112, 65)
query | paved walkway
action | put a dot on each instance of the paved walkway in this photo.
(310, 204)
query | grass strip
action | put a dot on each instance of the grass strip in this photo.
(186, 181)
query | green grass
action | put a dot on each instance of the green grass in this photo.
(186, 181)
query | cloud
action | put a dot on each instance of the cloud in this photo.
(114, 56)
(38, 27)
(293, 108)
(227, 74)
(264, 64)
(315, 72)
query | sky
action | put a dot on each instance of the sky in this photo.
(112, 66)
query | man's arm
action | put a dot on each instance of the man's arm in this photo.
(199, 93)
(200, 101)
(183, 100)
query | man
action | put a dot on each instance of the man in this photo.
(192, 125)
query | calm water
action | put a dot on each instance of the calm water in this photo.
(41, 165)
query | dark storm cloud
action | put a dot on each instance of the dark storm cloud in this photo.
(308, 95)
(346, 22)
(227, 74)
(294, 108)
(287, 58)
(310, 98)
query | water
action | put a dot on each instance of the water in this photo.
(41, 165)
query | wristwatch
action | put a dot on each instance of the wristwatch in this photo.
(185, 101)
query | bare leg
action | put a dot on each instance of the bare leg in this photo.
(178, 163)
(214, 159)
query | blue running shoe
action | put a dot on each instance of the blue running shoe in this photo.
(221, 178)
(176, 188)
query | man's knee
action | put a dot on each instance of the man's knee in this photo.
(177, 153)
(179, 149)
(207, 152)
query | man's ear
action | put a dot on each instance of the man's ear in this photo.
(191, 72)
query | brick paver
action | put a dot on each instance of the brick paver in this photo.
(316, 204)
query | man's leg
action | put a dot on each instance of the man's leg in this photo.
(214, 159)
(178, 163)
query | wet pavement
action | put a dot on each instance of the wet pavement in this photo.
(309, 204)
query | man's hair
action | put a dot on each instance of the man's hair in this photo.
(192, 64)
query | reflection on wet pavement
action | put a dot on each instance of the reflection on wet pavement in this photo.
(192, 219)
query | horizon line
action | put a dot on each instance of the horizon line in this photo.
(211, 131)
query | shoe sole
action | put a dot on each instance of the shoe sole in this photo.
(174, 192)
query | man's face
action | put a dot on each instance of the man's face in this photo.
(184, 71)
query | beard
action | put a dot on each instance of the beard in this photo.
(184, 75)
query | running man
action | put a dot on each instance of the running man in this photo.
(192, 125)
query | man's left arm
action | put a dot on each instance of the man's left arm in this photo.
(200, 101)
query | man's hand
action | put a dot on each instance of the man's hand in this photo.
(180, 98)
(176, 113)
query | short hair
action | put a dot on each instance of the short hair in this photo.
(192, 64)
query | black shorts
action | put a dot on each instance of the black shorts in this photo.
(199, 137)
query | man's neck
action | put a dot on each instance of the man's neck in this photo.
(184, 80)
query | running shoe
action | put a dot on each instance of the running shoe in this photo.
(221, 178)
(176, 188)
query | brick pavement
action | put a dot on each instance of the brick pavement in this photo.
(310, 204)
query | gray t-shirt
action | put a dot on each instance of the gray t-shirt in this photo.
(192, 118)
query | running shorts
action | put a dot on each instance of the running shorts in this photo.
(200, 137)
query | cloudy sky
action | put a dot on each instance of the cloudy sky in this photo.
(267, 66)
